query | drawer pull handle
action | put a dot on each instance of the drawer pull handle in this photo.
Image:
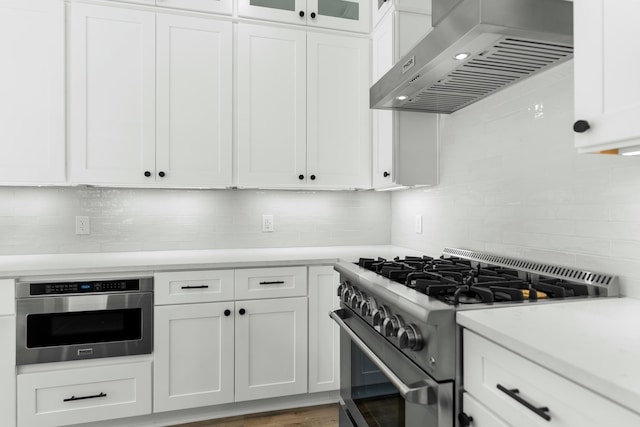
(513, 393)
(72, 398)
(276, 282)
(196, 287)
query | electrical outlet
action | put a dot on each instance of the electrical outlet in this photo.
(83, 225)
(418, 224)
(267, 223)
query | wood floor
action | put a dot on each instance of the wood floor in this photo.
(315, 416)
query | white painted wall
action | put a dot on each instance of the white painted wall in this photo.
(42, 220)
(511, 183)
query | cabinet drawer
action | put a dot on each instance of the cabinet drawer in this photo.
(73, 396)
(275, 282)
(193, 286)
(487, 366)
(482, 417)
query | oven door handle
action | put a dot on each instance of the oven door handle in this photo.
(422, 392)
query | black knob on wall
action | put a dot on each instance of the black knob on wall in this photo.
(162, 174)
(313, 15)
(465, 420)
(301, 14)
(386, 174)
(300, 177)
(147, 174)
(227, 312)
(242, 311)
(313, 177)
(581, 126)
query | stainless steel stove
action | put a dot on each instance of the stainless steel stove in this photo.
(400, 347)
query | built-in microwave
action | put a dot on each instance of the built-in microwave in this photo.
(83, 319)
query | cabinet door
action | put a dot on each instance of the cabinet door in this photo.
(607, 88)
(347, 15)
(271, 106)
(271, 348)
(193, 357)
(338, 118)
(8, 370)
(112, 104)
(193, 101)
(291, 11)
(324, 333)
(215, 6)
(482, 416)
(32, 109)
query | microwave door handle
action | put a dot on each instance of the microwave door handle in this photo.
(422, 392)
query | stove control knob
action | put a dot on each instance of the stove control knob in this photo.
(346, 294)
(365, 308)
(355, 300)
(409, 337)
(379, 315)
(341, 287)
(391, 325)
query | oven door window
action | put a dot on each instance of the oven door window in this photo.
(378, 401)
(83, 327)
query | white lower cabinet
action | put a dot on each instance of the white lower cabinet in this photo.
(193, 361)
(525, 394)
(480, 415)
(324, 333)
(8, 370)
(271, 348)
(81, 395)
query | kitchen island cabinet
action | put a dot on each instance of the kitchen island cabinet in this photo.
(607, 91)
(303, 114)
(150, 98)
(32, 92)
(574, 363)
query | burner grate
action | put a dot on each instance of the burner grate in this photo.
(607, 283)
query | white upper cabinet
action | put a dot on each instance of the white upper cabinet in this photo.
(347, 15)
(112, 101)
(607, 88)
(405, 144)
(214, 6)
(194, 63)
(303, 117)
(147, 112)
(381, 7)
(32, 106)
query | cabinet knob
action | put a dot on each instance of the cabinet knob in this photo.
(465, 420)
(313, 177)
(386, 174)
(161, 174)
(300, 177)
(242, 311)
(313, 15)
(581, 126)
(147, 174)
(227, 312)
(301, 14)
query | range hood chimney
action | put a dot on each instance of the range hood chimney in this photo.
(505, 42)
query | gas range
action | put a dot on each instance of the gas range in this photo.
(410, 305)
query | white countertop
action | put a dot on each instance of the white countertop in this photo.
(20, 266)
(595, 342)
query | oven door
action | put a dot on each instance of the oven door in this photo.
(55, 329)
(380, 386)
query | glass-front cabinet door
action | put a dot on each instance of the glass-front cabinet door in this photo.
(347, 15)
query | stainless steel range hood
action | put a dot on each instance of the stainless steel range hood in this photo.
(506, 40)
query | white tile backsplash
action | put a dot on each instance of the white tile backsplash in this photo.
(512, 183)
(42, 220)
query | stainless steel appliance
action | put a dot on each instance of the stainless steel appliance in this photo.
(75, 320)
(476, 48)
(400, 348)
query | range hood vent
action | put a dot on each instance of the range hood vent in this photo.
(506, 40)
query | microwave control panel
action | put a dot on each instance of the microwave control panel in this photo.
(84, 287)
